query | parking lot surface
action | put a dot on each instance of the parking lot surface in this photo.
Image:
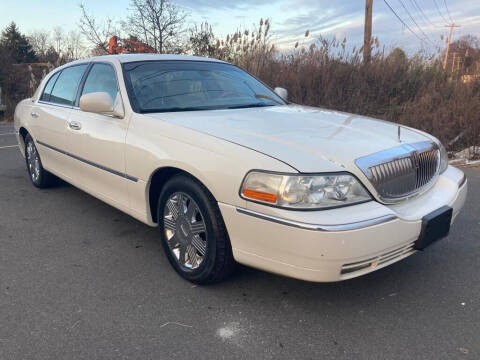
(81, 280)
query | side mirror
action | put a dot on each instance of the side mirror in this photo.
(283, 93)
(102, 103)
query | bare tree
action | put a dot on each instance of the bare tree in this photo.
(73, 47)
(58, 38)
(40, 41)
(96, 32)
(157, 23)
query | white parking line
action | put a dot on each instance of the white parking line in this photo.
(7, 134)
(8, 146)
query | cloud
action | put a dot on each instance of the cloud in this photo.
(206, 5)
(341, 18)
(345, 19)
(320, 18)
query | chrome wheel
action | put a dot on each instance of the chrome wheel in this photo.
(185, 230)
(33, 161)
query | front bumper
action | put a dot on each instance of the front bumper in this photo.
(338, 244)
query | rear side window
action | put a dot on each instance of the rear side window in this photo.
(101, 78)
(66, 86)
(48, 88)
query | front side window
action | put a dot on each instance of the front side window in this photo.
(48, 88)
(66, 86)
(101, 78)
(164, 86)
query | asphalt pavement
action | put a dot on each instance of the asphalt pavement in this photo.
(81, 280)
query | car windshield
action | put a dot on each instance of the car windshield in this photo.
(166, 86)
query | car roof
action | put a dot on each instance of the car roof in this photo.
(125, 58)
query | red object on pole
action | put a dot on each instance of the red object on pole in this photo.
(127, 46)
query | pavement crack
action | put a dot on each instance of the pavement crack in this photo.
(175, 323)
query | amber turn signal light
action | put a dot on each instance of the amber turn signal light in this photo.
(259, 195)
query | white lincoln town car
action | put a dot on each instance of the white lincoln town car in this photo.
(230, 171)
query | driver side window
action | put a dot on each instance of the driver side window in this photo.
(101, 78)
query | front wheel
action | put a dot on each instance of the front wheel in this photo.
(40, 177)
(192, 231)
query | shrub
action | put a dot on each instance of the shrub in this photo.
(414, 91)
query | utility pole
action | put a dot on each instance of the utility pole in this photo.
(449, 40)
(367, 34)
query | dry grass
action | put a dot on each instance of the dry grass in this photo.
(413, 91)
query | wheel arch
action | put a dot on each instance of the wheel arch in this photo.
(157, 181)
(23, 132)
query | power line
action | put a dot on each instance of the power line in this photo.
(416, 10)
(439, 12)
(403, 22)
(417, 5)
(448, 11)
(416, 24)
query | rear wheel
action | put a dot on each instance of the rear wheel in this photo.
(192, 231)
(40, 177)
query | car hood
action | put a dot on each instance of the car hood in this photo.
(308, 139)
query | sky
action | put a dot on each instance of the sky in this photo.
(290, 18)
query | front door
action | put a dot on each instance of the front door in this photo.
(96, 142)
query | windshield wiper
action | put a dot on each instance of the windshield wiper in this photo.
(248, 106)
(199, 108)
(178, 109)
(261, 96)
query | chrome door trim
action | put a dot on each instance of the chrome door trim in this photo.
(91, 163)
(317, 227)
(54, 104)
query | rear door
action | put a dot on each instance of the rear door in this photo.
(97, 141)
(49, 116)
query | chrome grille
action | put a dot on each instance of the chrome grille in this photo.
(402, 171)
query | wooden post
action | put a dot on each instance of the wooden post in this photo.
(367, 34)
(449, 40)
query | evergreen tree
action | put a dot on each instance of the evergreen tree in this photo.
(51, 56)
(16, 45)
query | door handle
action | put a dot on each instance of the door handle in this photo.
(74, 125)
(34, 114)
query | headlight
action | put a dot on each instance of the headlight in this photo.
(443, 157)
(303, 191)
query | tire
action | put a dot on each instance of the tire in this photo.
(40, 177)
(207, 254)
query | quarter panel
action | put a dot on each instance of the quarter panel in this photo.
(20, 120)
(220, 165)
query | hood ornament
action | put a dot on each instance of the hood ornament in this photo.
(399, 128)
